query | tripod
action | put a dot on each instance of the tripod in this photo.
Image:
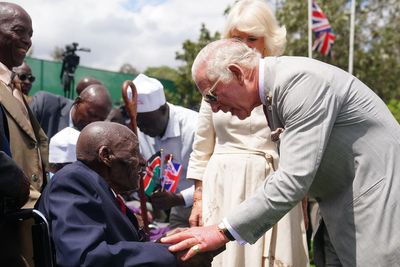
(69, 65)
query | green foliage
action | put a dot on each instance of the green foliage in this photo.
(169, 74)
(376, 44)
(127, 68)
(394, 107)
(186, 93)
(163, 72)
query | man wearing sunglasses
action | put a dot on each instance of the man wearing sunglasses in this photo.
(25, 77)
(340, 145)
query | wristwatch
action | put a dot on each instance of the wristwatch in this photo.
(223, 230)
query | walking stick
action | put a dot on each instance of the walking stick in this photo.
(129, 94)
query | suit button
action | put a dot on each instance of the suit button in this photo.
(35, 178)
(34, 145)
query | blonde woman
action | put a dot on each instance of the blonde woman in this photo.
(231, 158)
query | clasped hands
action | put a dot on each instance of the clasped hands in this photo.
(197, 242)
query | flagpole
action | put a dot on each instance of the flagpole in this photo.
(351, 41)
(309, 29)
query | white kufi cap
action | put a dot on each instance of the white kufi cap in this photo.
(150, 93)
(62, 148)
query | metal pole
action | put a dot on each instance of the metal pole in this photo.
(351, 41)
(309, 29)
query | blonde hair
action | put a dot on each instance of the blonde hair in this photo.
(255, 17)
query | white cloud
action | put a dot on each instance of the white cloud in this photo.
(140, 32)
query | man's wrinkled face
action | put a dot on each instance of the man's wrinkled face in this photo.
(228, 97)
(125, 166)
(15, 38)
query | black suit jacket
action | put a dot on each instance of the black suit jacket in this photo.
(88, 227)
(52, 111)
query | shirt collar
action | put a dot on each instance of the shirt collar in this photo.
(71, 123)
(173, 129)
(5, 74)
(261, 80)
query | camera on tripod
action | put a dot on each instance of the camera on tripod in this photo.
(69, 65)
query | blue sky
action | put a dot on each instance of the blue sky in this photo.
(144, 33)
(136, 5)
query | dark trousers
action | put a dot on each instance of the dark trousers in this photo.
(324, 252)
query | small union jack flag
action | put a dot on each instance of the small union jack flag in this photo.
(323, 31)
(171, 174)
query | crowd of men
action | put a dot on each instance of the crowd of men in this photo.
(339, 145)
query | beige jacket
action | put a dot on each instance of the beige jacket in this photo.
(28, 142)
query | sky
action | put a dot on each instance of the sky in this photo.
(143, 33)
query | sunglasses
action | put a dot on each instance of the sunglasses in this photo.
(24, 76)
(209, 96)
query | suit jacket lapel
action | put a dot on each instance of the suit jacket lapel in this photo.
(11, 105)
(270, 93)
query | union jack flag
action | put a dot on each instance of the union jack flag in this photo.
(171, 174)
(323, 31)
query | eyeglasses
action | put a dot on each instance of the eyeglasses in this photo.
(209, 96)
(24, 76)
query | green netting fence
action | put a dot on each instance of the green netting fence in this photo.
(47, 75)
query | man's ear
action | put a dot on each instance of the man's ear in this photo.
(78, 100)
(164, 108)
(237, 72)
(105, 155)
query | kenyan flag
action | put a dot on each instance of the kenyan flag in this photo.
(152, 177)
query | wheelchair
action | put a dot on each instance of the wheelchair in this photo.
(43, 252)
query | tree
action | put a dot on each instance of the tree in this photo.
(163, 72)
(168, 76)
(376, 49)
(394, 107)
(57, 53)
(128, 69)
(186, 93)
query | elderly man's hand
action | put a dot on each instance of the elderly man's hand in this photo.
(199, 260)
(196, 240)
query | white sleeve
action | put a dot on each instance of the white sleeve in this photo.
(203, 145)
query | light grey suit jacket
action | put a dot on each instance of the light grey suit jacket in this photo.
(342, 145)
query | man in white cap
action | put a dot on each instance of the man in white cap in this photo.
(170, 128)
(62, 148)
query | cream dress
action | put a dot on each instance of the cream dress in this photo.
(233, 157)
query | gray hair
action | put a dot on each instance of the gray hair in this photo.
(256, 18)
(215, 58)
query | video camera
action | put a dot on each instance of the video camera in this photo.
(69, 65)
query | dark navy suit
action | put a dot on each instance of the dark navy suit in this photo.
(51, 111)
(88, 227)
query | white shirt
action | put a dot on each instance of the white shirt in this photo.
(177, 140)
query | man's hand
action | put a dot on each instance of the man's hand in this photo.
(165, 200)
(196, 240)
(196, 218)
